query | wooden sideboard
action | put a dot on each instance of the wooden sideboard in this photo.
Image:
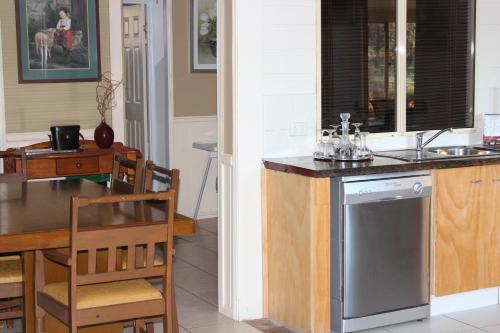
(92, 160)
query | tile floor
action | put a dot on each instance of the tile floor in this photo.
(195, 273)
(485, 319)
(196, 292)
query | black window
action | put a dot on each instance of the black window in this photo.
(359, 64)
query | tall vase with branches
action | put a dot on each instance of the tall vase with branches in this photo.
(105, 98)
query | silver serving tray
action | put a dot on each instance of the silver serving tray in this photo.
(320, 157)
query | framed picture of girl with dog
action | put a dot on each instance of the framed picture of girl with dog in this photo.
(58, 40)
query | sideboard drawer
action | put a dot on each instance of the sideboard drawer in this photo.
(78, 166)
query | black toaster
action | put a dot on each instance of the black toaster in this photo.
(65, 137)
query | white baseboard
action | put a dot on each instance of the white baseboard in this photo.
(464, 301)
(191, 163)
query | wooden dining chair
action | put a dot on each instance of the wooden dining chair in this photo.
(114, 295)
(11, 273)
(9, 160)
(170, 177)
(127, 175)
(185, 226)
(11, 288)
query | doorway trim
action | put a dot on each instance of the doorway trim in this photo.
(116, 63)
(169, 52)
(160, 108)
(3, 134)
(229, 278)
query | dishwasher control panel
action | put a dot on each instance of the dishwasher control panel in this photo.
(386, 189)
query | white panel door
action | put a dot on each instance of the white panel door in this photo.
(135, 77)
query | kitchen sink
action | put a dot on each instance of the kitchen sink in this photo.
(440, 153)
(460, 151)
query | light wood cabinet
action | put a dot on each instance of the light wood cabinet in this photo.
(296, 236)
(467, 229)
(495, 238)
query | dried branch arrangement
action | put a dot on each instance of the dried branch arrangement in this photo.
(105, 94)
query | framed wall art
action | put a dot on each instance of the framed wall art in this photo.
(203, 35)
(58, 40)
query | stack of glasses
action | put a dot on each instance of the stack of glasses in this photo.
(342, 148)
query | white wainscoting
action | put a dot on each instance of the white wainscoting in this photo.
(465, 301)
(15, 140)
(191, 163)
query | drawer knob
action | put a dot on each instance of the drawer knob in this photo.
(79, 165)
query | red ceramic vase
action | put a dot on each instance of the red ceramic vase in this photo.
(104, 135)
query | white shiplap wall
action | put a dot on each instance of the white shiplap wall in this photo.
(289, 78)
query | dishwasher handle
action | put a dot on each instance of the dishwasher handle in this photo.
(396, 197)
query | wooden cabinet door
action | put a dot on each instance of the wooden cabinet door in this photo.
(465, 223)
(495, 236)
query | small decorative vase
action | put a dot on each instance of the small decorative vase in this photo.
(213, 47)
(104, 135)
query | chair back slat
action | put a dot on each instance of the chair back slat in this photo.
(131, 250)
(111, 259)
(150, 256)
(124, 170)
(142, 273)
(9, 159)
(91, 261)
(171, 177)
(121, 237)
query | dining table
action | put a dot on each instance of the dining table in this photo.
(35, 215)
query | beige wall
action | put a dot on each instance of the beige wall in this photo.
(35, 107)
(194, 94)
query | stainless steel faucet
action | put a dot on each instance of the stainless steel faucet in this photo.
(420, 138)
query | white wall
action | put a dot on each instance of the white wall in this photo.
(290, 78)
(276, 89)
(247, 154)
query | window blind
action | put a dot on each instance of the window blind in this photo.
(443, 65)
(358, 62)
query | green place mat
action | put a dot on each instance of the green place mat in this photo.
(99, 179)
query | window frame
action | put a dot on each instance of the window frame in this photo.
(401, 21)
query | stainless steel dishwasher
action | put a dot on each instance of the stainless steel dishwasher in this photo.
(380, 250)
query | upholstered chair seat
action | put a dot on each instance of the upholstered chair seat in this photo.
(11, 271)
(104, 294)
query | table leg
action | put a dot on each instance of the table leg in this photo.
(29, 292)
(202, 189)
(174, 316)
(175, 320)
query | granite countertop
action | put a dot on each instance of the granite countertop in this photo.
(307, 166)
